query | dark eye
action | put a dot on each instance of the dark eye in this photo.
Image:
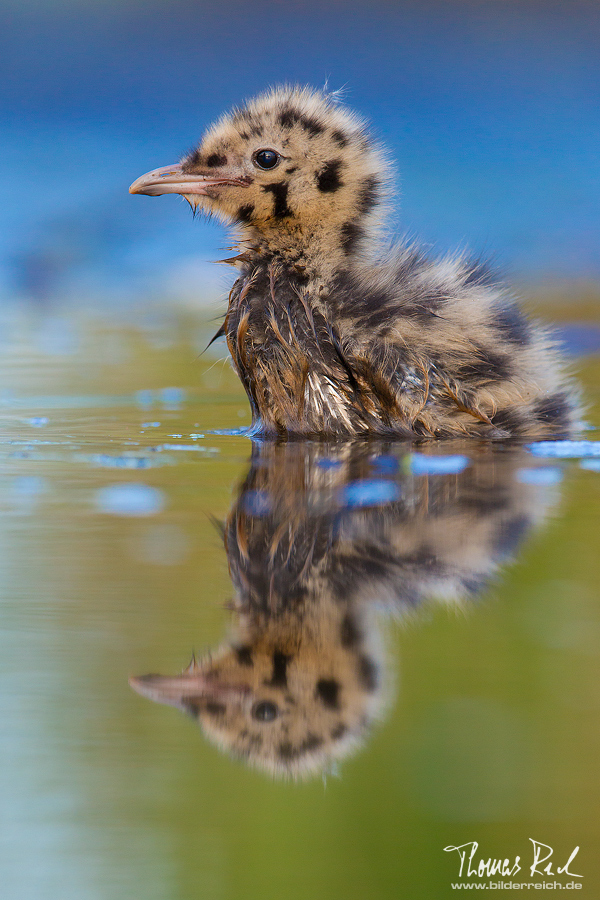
(264, 711)
(266, 159)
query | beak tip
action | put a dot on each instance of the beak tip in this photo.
(137, 187)
(158, 181)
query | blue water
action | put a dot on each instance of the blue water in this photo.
(490, 109)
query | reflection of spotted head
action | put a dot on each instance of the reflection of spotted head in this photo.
(290, 698)
(317, 554)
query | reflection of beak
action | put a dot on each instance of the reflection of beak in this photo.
(171, 180)
(186, 687)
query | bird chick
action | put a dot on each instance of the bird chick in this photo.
(331, 335)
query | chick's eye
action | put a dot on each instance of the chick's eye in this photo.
(266, 159)
(264, 711)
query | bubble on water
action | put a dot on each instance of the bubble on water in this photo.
(150, 424)
(547, 475)
(370, 492)
(144, 398)
(565, 449)
(437, 465)
(592, 465)
(129, 500)
(38, 421)
(171, 397)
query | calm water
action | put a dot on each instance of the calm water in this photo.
(414, 630)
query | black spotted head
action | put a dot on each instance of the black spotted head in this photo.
(292, 160)
(282, 701)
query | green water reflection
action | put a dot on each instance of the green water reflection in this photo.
(487, 728)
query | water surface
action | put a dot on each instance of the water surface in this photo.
(450, 591)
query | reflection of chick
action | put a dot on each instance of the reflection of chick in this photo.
(292, 693)
(328, 338)
(321, 540)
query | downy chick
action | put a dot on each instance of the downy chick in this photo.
(330, 335)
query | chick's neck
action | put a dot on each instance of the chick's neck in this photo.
(313, 253)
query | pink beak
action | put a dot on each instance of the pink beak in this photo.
(188, 686)
(171, 180)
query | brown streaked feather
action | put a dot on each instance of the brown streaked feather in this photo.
(463, 404)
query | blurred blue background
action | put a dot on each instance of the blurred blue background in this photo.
(491, 111)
